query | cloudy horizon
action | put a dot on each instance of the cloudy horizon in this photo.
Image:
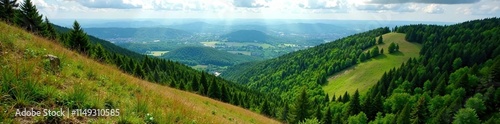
(404, 10)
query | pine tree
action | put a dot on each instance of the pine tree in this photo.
(301, 107)
(346, 97)
(318, 113)
(419, 113)
(495, 71)
(380, 40)
(213, 90)
(194, 84)
(30, 18)
(284, 114)
(78, 38)
(224, 93)
(397, 47)
(334, 98)
(404, 115)
(327, 99)
(7, 10)
(354, 105)
(204, 83)
(265, 108)
(49, 31)
(328, 116)
(382, 51)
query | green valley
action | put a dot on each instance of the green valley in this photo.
(364, 75)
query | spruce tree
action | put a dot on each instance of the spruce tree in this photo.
(7, 10)
(354, 105)
(404, 115)
(380, 40)
(301, 107)
(224, 96)
(318, 113)
(204, 83)
(327, 119)
(419, 113)
(194, 84)
(30, 18)
(49, 31)
(327, 99)
(213, 90)
(78, 39)
(265, 108)
(346, 97)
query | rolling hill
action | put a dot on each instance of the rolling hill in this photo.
(247, 36)
(366, 74)
(205, 56)
(29, 81)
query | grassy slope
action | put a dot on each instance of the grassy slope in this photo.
(364, 75)
(22, 63)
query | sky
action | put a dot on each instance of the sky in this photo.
(403, 10)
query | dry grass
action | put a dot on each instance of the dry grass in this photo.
(104, 84)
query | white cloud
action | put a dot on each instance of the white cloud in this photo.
(433, 9)
(115, 4)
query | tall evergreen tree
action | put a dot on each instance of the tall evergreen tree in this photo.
(49, 30)
(380, 40)
(78, 38)
(327, 119)
(346, 97)
(404, 115)
(204, 83)
(419, 113)
(354, 105)
(213, 90)
(265, 108)
(301, 107)
(194, 84)
(7, 10)
(318, 113)
(30, 18)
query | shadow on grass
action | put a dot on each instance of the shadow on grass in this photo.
(398, 53)
(383, 56)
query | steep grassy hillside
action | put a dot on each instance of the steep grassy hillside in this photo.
(28, 81)
(364, 75)
(206, 56)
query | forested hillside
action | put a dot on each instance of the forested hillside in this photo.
(205, 56)
(455, 79)
(309, 68)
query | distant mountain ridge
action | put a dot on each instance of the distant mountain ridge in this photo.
(247, 36)
(143, 33)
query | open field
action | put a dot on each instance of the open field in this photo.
(364, 75)
(157, 53)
